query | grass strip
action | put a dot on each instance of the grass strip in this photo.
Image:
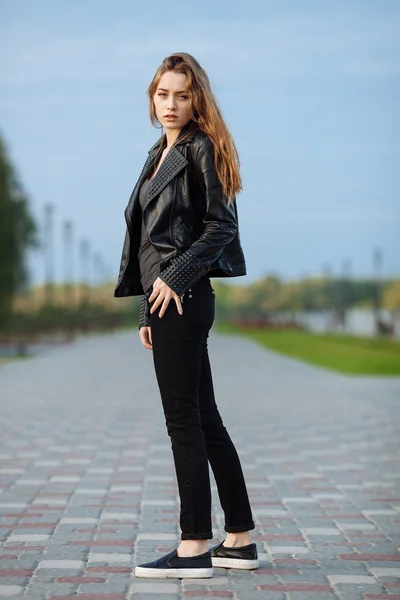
(342, 353)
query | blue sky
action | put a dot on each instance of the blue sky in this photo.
(310, 91)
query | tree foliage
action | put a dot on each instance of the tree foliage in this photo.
(272, 295)
(17, 234)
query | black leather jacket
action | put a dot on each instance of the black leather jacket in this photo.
(187, 220)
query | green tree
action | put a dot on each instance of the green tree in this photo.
(17, 234)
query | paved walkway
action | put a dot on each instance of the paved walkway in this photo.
(88, 487)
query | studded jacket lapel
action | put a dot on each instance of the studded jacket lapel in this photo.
(171, 165)
(147, 168)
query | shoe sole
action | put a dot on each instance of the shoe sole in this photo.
(173, 573)
(234, 563)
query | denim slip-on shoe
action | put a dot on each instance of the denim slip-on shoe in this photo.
(241, 557)
(172, 565)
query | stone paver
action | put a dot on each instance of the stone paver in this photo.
(7, 591)
(88, 490)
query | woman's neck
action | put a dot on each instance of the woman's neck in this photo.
(171, 135)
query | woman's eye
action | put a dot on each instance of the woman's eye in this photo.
(165, 94)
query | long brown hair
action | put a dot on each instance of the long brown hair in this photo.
(207, 114)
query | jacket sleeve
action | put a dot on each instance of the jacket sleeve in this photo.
(144, 312)
(220, 227)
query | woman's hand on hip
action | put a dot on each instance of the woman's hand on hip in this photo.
(145, 337)
(161, 295)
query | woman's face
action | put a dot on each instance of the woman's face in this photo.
(172, 100)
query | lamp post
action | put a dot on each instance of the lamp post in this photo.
(377, 300)
(96, 269)
(327, 274)
(345, 291)
(49, 253)
(68, 264)
(85, 269)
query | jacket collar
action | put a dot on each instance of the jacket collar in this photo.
(172, 164)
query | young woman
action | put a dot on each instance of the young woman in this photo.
(182, 229)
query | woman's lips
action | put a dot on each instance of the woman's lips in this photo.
(171, 117)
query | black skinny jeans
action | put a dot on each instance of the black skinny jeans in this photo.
(193, 422)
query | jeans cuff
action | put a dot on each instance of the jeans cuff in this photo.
(197, 536)
(240, 528)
